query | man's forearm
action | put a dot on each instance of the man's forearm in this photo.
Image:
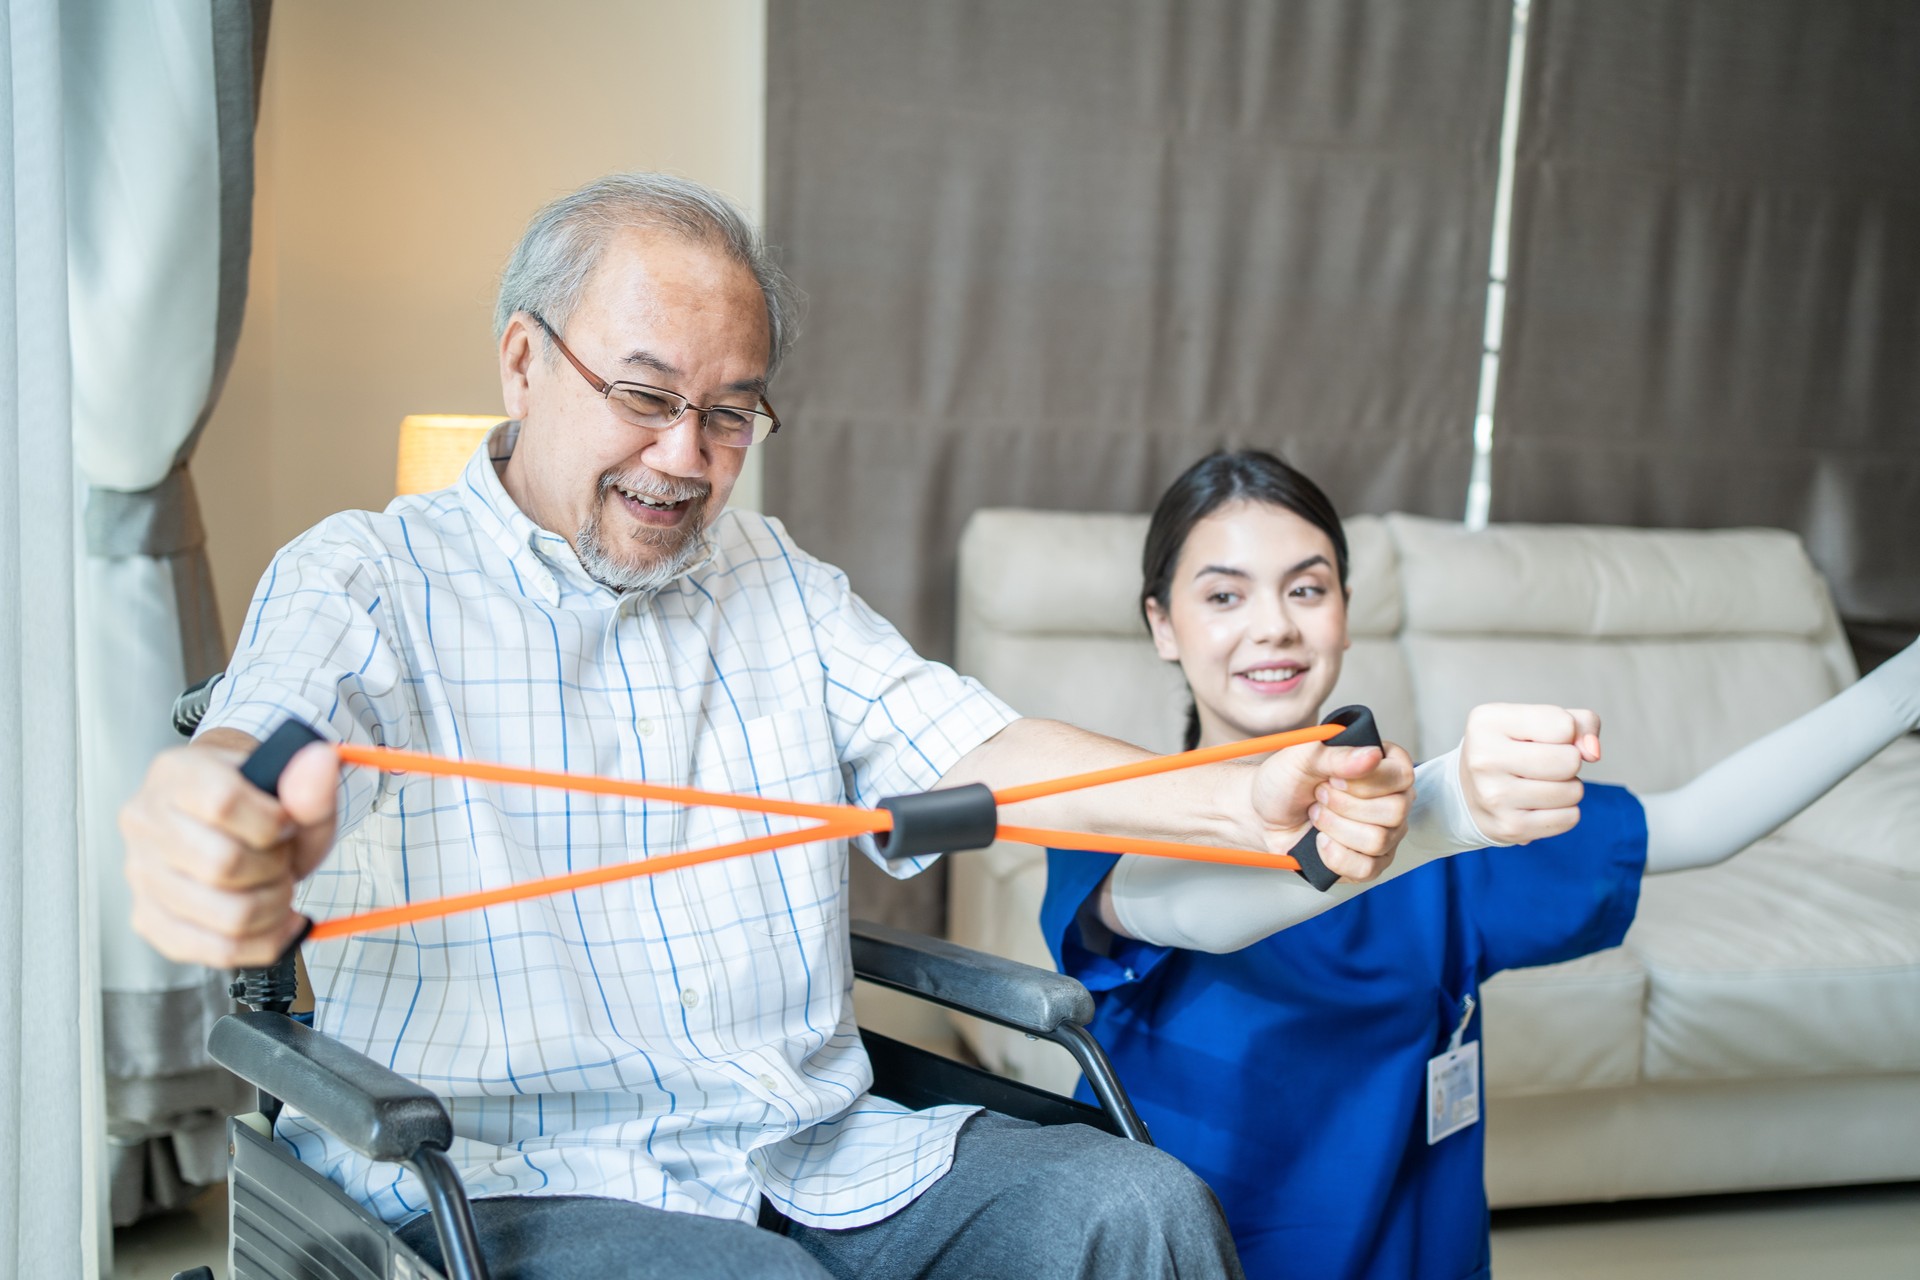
(1207, 804)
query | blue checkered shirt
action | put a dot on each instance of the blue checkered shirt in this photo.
(686, 1040)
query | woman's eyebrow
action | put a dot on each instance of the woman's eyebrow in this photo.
(1306, 564)
(1231, 572)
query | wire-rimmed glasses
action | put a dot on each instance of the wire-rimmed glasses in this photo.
(656, 408)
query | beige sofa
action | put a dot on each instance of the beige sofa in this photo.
(1761, 1025)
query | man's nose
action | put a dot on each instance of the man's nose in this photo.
(678, 449)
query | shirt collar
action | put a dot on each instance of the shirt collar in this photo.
(543, 559)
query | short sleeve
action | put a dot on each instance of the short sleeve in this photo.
(1563, 897)
(315, 646)
(1073, 876)
(900, 721)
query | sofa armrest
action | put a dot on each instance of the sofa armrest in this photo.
(382, 1115)
(1873, 816)
(1013, 994)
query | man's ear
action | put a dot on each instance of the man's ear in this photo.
(519, 348)
(1162, 628)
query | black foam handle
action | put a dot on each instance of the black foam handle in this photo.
(272, 987)
(943, 821)
(1360, 731)
(269, 760)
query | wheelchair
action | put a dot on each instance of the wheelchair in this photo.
(287, 1222)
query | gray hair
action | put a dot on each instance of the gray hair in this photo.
(550, 267)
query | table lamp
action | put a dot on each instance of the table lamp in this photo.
(434, 448)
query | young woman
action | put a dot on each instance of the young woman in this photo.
(1325, 1079)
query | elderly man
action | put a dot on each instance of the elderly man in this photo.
(642, 1074)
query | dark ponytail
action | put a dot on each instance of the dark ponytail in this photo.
(1219, 478)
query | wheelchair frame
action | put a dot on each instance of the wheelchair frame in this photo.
(287, 1222)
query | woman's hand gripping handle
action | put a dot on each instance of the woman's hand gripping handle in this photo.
(1360, 731)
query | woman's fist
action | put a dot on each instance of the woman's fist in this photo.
(1520, 768)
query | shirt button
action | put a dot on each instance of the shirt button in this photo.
(1130, 975)
(646, 728)
(690, 996)
(769, 1084)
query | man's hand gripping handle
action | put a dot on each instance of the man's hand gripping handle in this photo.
(272, 988)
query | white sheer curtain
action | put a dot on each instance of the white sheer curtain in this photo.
(159, 102)
(45, 968)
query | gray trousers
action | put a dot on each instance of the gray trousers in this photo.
(1021, 1201)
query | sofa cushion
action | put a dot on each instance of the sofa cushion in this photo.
(1670, 707)
(1689, 643)
(1573, 580)
(1052, 572)
(1561, 1027)
(1103, 683)
(1873, 816)
(1782, 962)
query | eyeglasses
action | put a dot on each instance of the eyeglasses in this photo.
(657, 409)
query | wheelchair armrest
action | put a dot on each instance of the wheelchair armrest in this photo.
(1013, 994)
(382, 1115)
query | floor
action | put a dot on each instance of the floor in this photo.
(1837, 1233)
(158, 1247)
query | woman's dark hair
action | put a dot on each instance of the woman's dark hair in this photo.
(1250, 475)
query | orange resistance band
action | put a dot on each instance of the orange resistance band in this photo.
(835, 822)
(453, 904)
(419, 762)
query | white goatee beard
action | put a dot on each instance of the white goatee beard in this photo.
(677, 548)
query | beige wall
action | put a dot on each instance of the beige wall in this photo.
(401, 149)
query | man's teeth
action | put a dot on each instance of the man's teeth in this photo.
(1273, 675)
(645, 501)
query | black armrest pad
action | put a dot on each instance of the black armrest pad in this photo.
(382, 1115)
(1000, 990)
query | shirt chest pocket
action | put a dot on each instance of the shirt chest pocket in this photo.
(789, 756)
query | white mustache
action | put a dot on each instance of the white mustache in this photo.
(656, 489)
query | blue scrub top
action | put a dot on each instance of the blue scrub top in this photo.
(1291, 1075)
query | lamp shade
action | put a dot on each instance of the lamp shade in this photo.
(434, 448)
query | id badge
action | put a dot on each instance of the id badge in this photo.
(1453, 1091)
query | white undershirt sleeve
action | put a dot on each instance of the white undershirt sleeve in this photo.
(1759, 787)
(1207, 907)
(1201, 906)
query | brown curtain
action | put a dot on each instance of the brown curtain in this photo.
(1055, 252)
(1714, 312)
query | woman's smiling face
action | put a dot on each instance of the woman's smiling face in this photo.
(1257, 619)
